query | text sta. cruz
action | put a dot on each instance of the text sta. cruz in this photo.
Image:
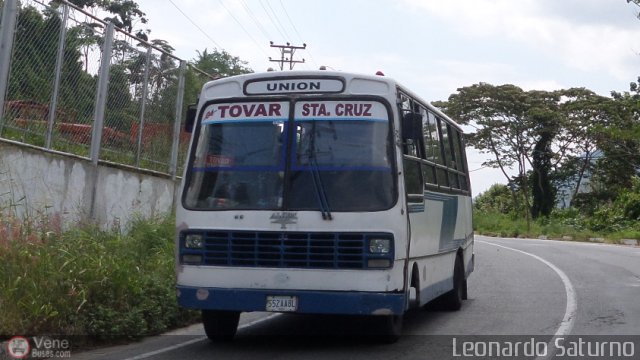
(312, 109)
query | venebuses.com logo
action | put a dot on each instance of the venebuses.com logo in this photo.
(37, 347)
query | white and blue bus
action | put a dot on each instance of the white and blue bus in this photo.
(321, 192)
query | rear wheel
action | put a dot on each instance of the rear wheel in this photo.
(453, 299)
(220, 325)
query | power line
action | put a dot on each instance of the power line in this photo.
(196, 25)
(291, 22)
(272, 20)
(255, 20)
(278, 20)
(243, 28)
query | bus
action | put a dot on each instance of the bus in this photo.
(321, 192)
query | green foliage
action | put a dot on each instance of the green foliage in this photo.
(553, 140)
(125, 12)
(220, 63)
(497, 199)
(621, 214)
(591, 216)
(85, 281)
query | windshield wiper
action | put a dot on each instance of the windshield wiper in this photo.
(321, 194)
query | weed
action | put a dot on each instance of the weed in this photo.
(86, 281)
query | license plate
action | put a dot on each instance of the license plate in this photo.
(282, 303)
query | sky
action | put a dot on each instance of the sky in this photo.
(433, 47)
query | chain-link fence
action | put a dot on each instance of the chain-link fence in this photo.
(78, 85)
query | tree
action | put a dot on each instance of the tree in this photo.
(220, 63)
(584, 114)
(620, 141)
(210, 66)
(125, 12)
(545, 119)
(503, 129)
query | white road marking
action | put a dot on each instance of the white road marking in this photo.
(196, 340)
(572, 304)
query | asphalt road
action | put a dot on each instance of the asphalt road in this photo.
(520, 289)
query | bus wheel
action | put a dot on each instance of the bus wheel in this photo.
(390, 328)
(453, 299)
(220, 325)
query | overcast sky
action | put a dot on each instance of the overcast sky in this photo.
(431, 46)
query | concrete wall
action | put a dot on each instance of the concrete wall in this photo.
(32, 180)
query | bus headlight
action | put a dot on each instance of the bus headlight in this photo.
(379, 246)
(193, 241)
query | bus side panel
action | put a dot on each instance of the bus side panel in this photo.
(436, 275)
(436, 234)
(465, 230)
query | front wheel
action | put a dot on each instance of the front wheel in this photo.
(389, 328)
(220, 325)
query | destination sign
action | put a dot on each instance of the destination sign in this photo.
(267, 111)
(291, 86)
(360, 110)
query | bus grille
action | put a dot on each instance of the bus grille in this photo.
(290, 249)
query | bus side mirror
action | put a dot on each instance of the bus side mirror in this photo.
(190, 119)
(411, 126)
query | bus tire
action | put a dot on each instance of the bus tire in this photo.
(453, 299)
(389, 328)
(220, 326)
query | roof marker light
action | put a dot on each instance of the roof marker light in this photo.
(379, 73)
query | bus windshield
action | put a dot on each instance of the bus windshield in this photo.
(339, 150)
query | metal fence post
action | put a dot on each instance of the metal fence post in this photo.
(173, 167)
(143, 105)
(98, 121)
(101, 94)
(53, 104)
(7, 29)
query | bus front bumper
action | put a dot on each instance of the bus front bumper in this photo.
(306, 302)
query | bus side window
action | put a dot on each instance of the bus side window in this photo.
(437, 151)
(408, 122)
(459, 151)
(413, 180)
(451, 157)
(412, 134)
(428, 170)
(432, 144)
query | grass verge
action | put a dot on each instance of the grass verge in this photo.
(103, 285)
(562, 224)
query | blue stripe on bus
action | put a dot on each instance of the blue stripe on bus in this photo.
(238, 168)
(437, 197)
(295, 168)
(340, 168)
(449, 219)
(342, 119)
(231, 121)
(309, 302)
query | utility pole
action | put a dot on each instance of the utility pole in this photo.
(290, 51)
